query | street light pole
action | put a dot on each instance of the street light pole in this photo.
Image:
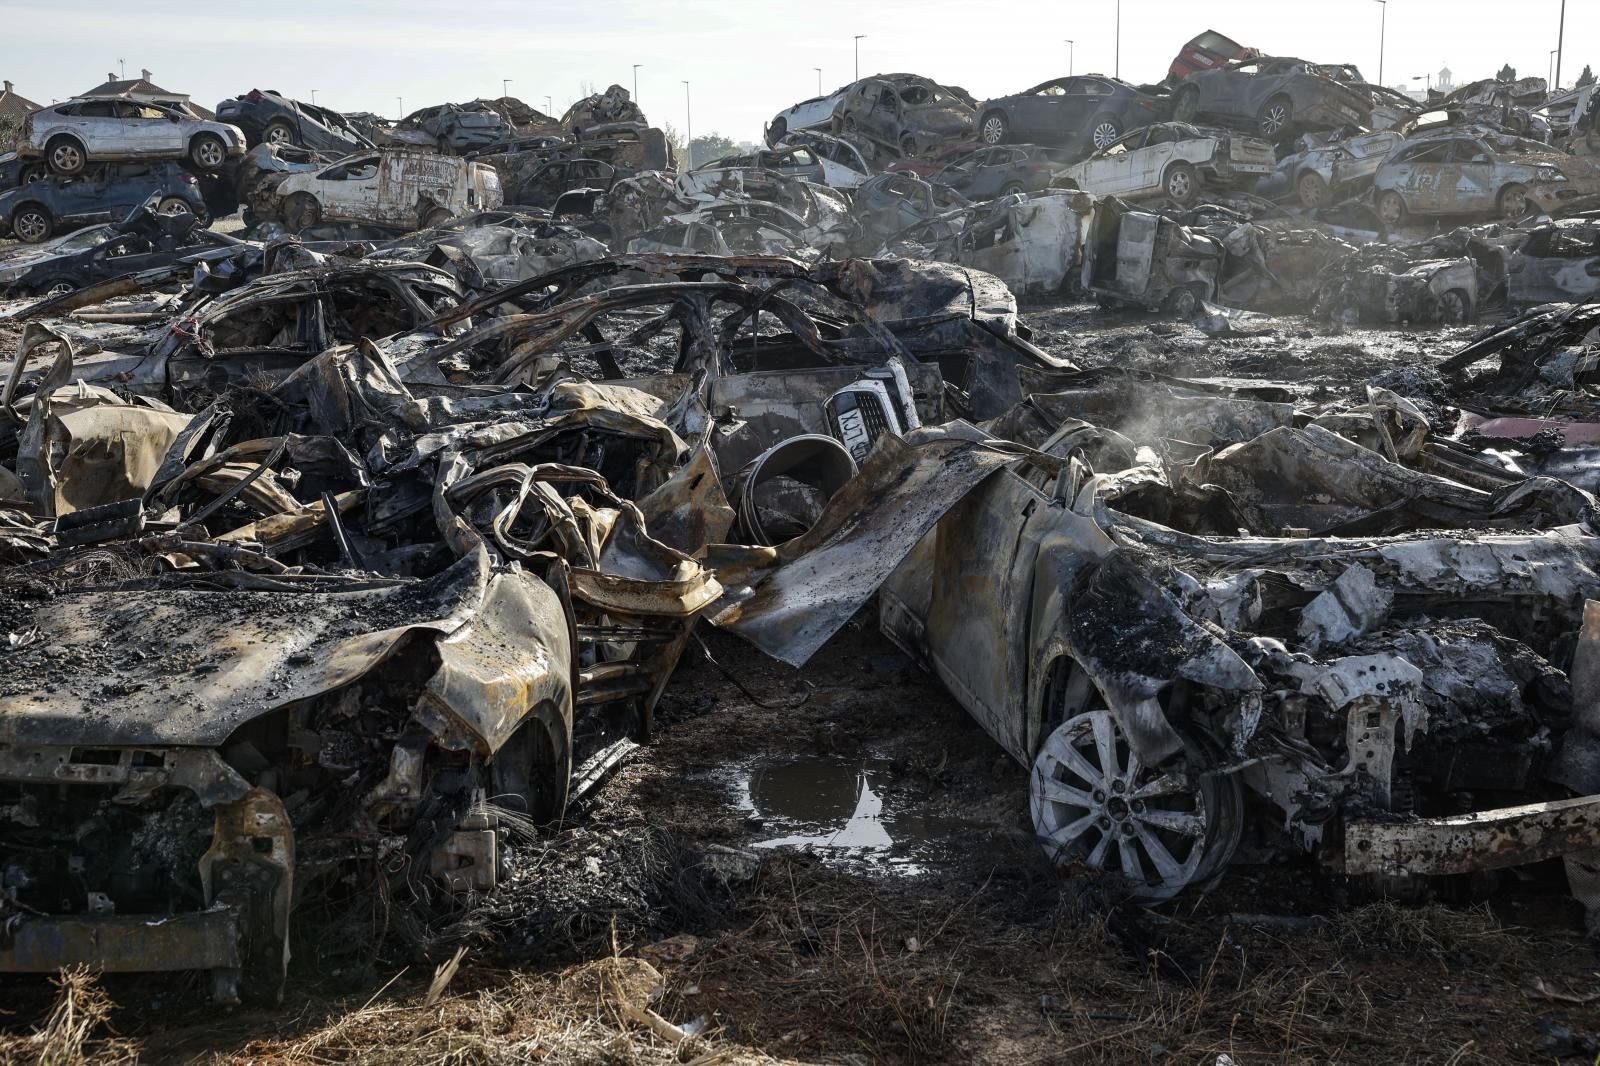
(1550, 64)
(1069, 55)
(1561, 35)
(1383, 27)
(1429, 78)
(503, 83)
(858, 55)
(1116, 70)
(549, 106)
(400, 101)
(688, 126)
(819, 79)
(636, 67)
(313, 97)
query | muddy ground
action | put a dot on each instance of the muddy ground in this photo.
(835, 864)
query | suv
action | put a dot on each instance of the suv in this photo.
(1003, 170)
(72, 135)
(905, 113)
(265, 116)
(59, 204)
(406, 190)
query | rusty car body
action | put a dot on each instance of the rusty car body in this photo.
(1474, 170)
(904, 114)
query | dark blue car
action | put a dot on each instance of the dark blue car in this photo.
(143, 241)
(58, 203)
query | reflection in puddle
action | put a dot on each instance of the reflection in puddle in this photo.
(836, 809)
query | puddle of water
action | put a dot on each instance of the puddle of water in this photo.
(846, 812)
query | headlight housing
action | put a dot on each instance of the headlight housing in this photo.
(1551, 174)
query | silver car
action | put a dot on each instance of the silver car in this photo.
(69, 136)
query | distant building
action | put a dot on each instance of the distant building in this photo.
(14, 107)
(1443, 81)
(144, 91)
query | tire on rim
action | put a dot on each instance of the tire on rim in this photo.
(1163, 829)
(1184, 301)
(994, 129)
(1104, 131)
(1313, 189)
(1276, 116)
(532, 771)
(278, 132)
(908, 145)
(1391, 208)
(1012, 188)
(65, 155)
(1454, 308)
(1181, 183)
(57, 287)
(173, 206)
(1512, 201)
(1186, 105)
(32, 172)
(301, 211)
(207, 151)
(32, 224)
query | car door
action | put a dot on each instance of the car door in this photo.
(1473, 169)
(1035, 114)
(128, 185)
(883, 121)
(408, 179)
(1147, 164)
(96, 124)
(1111, 172)
(1414, 173)
(146, 131)
(1084, 100)
(83, 199)
(1230, 91)
(348, 191)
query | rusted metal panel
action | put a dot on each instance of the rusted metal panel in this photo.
(207, 940)
(1482, 840)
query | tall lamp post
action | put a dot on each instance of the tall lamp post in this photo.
(1550, 65)
(1383, 27)
(819, 79)
(1116, 71)
(1561, 34)
(688, 126)
(504, 92)
(1069, 55)
(636, 67)
(858, 55)
(400, 102)
(549, 107)
(1429, 79)
(314, 97)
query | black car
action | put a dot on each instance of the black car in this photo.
(143, 241)
(267, 116)
(1002, 170)
(1087, 113)
(550, 180)
(60, 203)
(457, 128)
(14, 170)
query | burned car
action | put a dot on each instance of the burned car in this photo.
(1086, 113)
(1276, 97)
(819, 158)
(904, 114)
(145, 240)
(393, 189)
(268, 117)
(1559, 262)
(1331, 168)
(1475, 171)
(455, 129)
(1174, 160)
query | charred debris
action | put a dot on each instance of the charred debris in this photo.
(333, 557)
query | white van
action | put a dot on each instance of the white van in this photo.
(398, 189)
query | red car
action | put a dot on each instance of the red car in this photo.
(1207, 51)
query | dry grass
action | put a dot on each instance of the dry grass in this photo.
(76, 1030)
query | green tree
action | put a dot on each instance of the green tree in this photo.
(1507, 73)
(710, 147)
(675, 142)
(1586, 78)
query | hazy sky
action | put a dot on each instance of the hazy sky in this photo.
(745, 59)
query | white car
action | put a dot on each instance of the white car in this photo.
(399, 189)
(72, 135)
(1174, 159)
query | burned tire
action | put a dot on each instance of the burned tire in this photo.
(1313, 190)
(66, 155)
(532, 772)
(301, 211)
(1186, 105)
(994, 129)
(1454, 308)
(1104, 131)
(1276, 118)
(908, 146)
(1170, 828)
(32, 224)
(1012, 189)
(32, 172)
(1184, 301)
(207, 152)
(279, 133)
(1512, 201)
(174, 206)
(1181, 183)
(1391, 208)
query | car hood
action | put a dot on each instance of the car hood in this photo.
(186, 666)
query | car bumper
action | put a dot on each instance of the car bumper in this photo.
(1482, 840)
(123, 943)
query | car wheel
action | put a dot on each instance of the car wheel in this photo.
(994, 129)
(32, 224)
(65, 155)
(908, 146)
(301, 211)
(59, 287)
(278, 133)
(1104, 132)
(532, 771)
(1181, 184)
(1391, 208)
(173, 206)
(1275, 118)
(207, 151)
(849, 124)
(1184, 301)
(1186, 105)
(31, 173)
(437, 217)
(1513, 201)
(1012, 189)
(1313, 189)
(1094, 801)
(1453, 308)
